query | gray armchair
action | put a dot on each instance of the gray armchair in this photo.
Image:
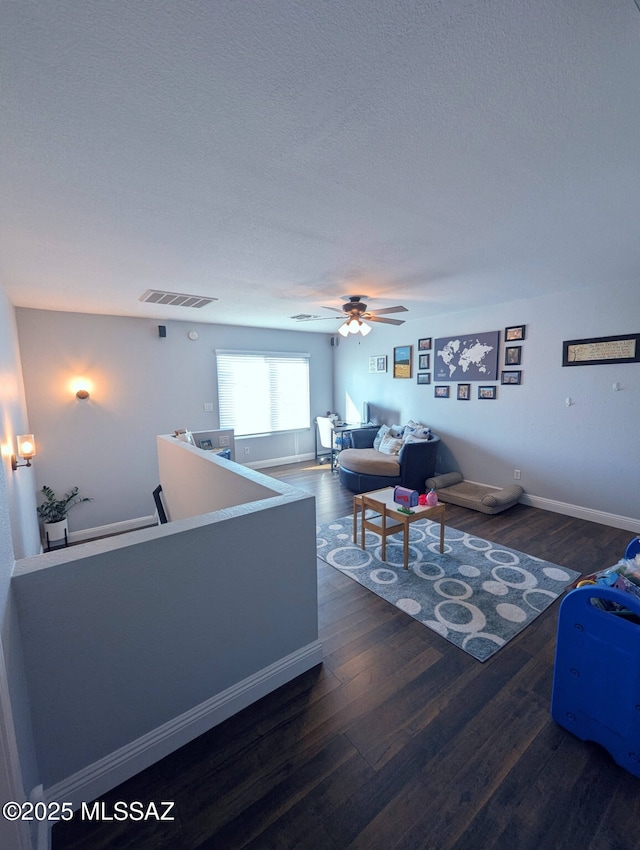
(362, 468)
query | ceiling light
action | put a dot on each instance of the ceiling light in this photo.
(354, 325)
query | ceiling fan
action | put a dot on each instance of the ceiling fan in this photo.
(355, 310)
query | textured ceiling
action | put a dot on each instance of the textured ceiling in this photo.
(279, 154)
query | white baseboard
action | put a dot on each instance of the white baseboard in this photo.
(107, 773)
(590, 514)
(280, 461)
(577, 511)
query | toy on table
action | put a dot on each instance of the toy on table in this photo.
(406, 497)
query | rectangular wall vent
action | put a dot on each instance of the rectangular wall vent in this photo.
(175, 299)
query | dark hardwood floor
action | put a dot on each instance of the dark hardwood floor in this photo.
(399, 739)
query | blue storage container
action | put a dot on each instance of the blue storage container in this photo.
(596, 684)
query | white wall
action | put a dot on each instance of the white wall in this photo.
(584, 455)
(187, 493)
(142, 386)
(18, 537)
(165, 631)
(19, 486)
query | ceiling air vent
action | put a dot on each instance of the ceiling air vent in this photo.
(175, 299)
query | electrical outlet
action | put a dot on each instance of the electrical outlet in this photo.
(516, 474)
(246, 450)
(208, 407)
(224, 441)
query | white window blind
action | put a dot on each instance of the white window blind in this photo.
(263, 392)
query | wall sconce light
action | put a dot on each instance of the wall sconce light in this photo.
(81, 386)
(26, 450)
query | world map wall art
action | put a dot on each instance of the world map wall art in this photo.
(472, 357)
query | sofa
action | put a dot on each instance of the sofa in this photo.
(390, 456)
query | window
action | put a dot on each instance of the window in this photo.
(263, 392)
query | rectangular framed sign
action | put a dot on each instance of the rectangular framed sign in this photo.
(624, 348)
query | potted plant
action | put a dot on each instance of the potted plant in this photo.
(53, 512)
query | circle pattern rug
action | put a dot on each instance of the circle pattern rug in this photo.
(477, 594)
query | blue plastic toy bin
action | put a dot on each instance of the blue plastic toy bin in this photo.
(596, 683)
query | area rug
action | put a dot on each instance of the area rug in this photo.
(478, 595)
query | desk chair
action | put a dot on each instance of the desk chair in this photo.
(325, 439)
(162, 515)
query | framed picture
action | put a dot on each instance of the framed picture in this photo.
(511, 377)
(378, 363)
(487, 392)
(402, 361)
(515, 332)
(424, 344)
(513, 355)
(424, 377)
(424, 361)
(441, 392)
(468, 357)
(624, 348)
(464, 392)
(205, 444)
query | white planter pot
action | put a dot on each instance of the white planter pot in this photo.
(55, 531)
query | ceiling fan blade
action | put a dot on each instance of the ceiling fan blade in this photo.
(335, 310)
(386, 321)
(388, 310)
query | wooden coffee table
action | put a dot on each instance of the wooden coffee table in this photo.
(390, 519)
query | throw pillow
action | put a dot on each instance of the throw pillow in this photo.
(390, 445)
(414, 438)
(417, 434)
(417, 429)
(397, 430)
(384, 430)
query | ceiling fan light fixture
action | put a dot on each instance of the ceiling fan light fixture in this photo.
(354, 325)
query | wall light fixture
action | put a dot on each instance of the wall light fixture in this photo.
(26, 450)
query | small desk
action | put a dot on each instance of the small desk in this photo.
(338, 429)
(391, 520)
